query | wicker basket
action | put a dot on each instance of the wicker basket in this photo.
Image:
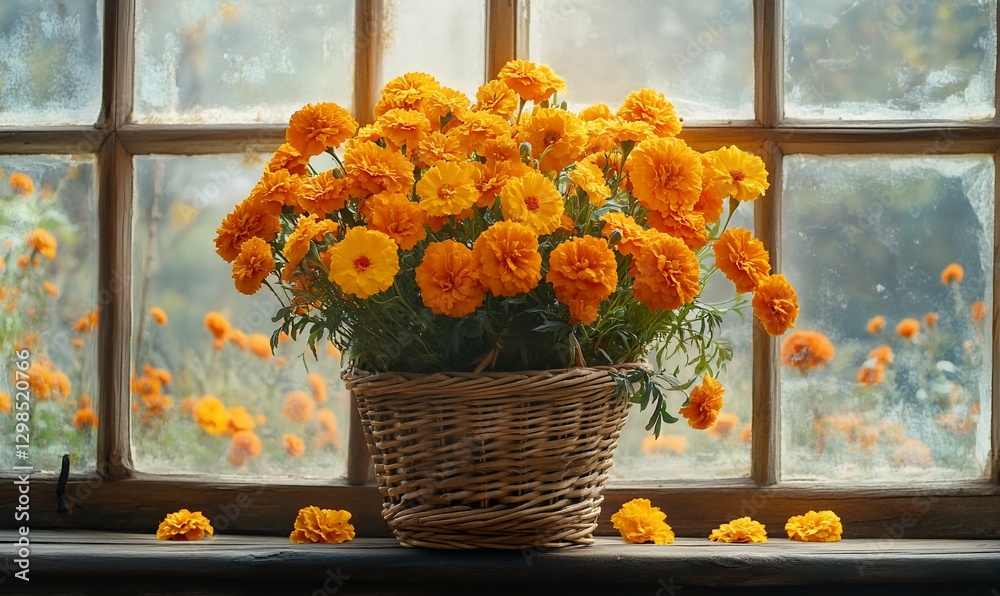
(491, 460)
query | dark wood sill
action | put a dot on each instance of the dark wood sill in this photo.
(114, 563)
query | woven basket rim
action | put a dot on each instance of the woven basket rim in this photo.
(355, 374)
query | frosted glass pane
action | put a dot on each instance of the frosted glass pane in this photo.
(867, 237)
(213, 61)
(444, 38)
(180, 201)
(50, 61)
(682, 452)
(890, 59)
(48, 306)
(698, 54)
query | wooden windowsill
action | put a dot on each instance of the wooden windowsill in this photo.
(128, 563)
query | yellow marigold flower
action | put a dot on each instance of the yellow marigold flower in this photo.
(533, 200)
(293, 444)
(931, 319)
(43, 242)
(239, 420)
(665, 173)
(631, 234)
(815, 526)
(211, 415)
(479, 127)
(254, 263)
(882, 355)
(438, 147)
(531, 81)
(502, 149)
(908, 329)
(5, 403)
(248, 220)
(684, 223)
(158, 315)
(243, 445)
(364, 263)
(978, 310)
(448, 281)
(324, 194)
(598, 111)
(875, 324)
(711, 201)
(317, 127)
(397, 217)
(743, 529)
(317, 384)
(21, 183)
(217, 324)
(184, 525)
(85, 419)
(666, 273)
(407, 92)
(739, 174)
(807, 350)
(582, 268)
(322, 525)
(619, 131)
(704, 403)
(496, 97)
(557, 137)
(492, 176)
(775, 304)
(448, 188)
(871, 375)
(50, 289)
(287, 158)
(298, 406)
(403, 128)
(443, 101)
(375, 169)
(297, 244)
(591, 180)
(507, 258)
(651, 107)
(953, 273)
(742, 259)
(639, 522)
(259, 345)
(275, 190)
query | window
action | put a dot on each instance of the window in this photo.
(877, 121)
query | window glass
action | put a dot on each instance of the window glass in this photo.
(887, 374)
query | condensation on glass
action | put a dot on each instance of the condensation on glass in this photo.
(443, 38)
(905, 392)
(207, 399)
(49, 303)
(890, 59)
(219, 61)
(682, 452)
(698, 54)
(50, 61)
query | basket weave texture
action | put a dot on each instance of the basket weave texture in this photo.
(491, 460)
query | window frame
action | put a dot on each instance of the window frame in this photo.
(118, 497)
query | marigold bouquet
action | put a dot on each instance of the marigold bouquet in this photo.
(508, 234)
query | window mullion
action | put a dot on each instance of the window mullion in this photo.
(995, 408)
(501, 34)
(767, 61)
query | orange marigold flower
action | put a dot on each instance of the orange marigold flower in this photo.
(317, 127)
(531, 81)
(493, 176)
(317, 384)
(407, 91)
(496, 97)
(704, 403)
(684, 223)
(583, 311)
(275, 190)
(882, 355)
(725, 425)
(84, 419)
(978, 311)
(665, 173)
(931, 319)
(590, 179)
(815, 526)
(50, 289)
(293, 444)
(744, 530)
(711, 201)
(875, 324)
(298, 406)
(953, 273)
(397, 217)
(438, 147)
(478, 128)
(502, 148)
(217, 324)
(582, 268)
(247, 220)
(908, 328)
(324, 194)
(287, 158)
(534, 201)
(651, 107)
(507, 258)
(328, 420)
(184, 525)
(448, 188)
(448, 281)
(146, 385)
(322, 525)
(244, 445)
(5, 403)
(742, 259)
(156, 405)
(364, 263)
(673, 443)
(21, 183)
(211, 415)
(598, 111)
(620, 131)
(158, 315)
(739, 174)
(240, 419)
(254, 263)
(375, 169)
(443, 101)
(43, 242)
(914, 453)
(403, 128)
(666, 273)
(297, 244)
(631, 236)
(557, 137)
(259, 345)
(639, 522)
(807, 350)
(775, 304)
(871, 375)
